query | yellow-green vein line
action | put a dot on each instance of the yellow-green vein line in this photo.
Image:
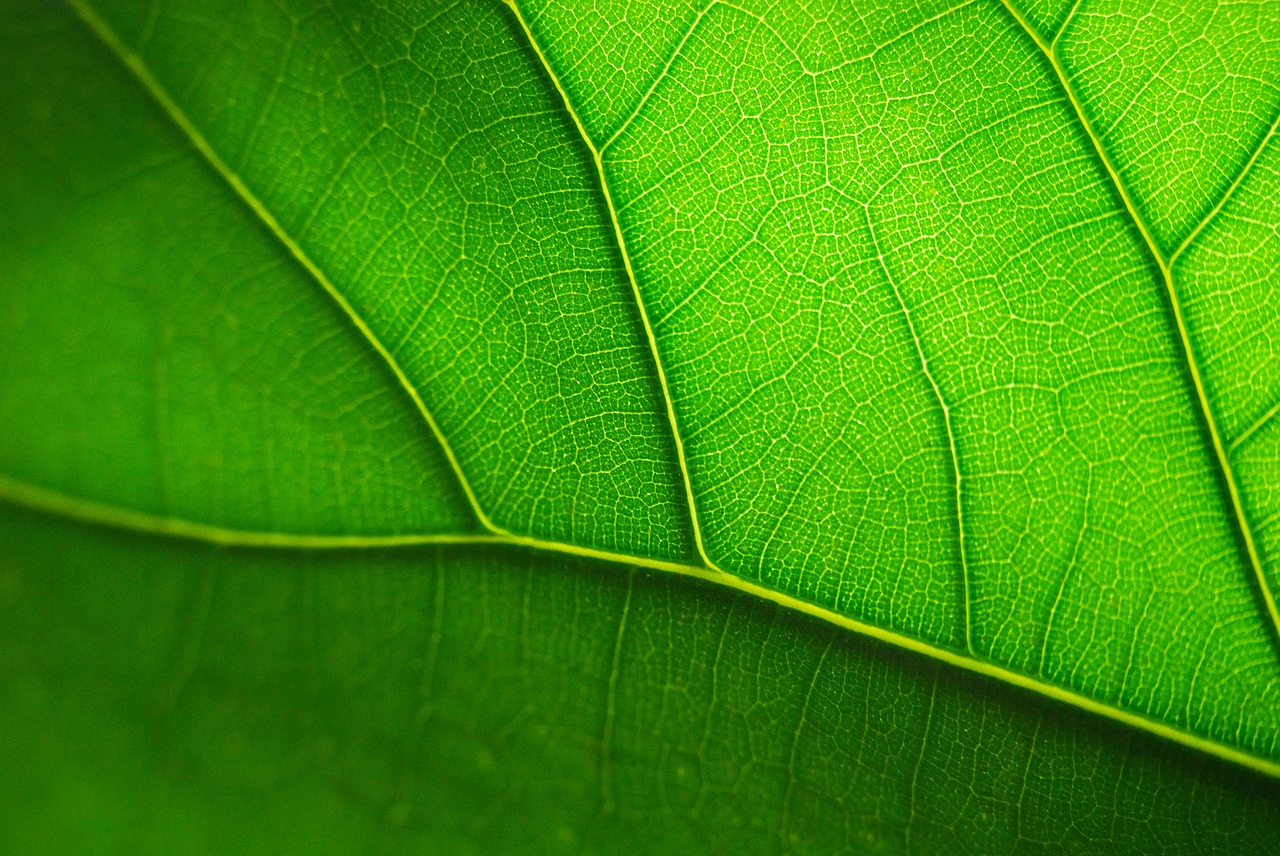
(946, 422)
(631, 275)
(1184, 336)
(1255, 427)
(1075, 7)
(1228, 193)
(104, 514)
(89, 511)
(101, 514)
(160, 95)
(50, 502)
(662, 75)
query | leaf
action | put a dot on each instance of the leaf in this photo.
(386, 357)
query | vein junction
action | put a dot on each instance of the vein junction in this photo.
(596, 157)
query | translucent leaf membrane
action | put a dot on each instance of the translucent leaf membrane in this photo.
(1229, 278)
(924, 355)
(948, 324)
(1183, 128)
(425, 166)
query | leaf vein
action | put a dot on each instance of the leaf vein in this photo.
(134, 64)
(1220, 452)
(42, 500)
(631, 276)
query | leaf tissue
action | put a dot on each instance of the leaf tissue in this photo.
(658, 426)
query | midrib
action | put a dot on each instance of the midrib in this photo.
(100, 514)
(41, 499)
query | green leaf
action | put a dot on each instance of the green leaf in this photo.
(663, 427)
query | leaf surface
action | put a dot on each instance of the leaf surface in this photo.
(947, 325)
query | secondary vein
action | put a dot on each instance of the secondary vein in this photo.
(1230, 191)
(102, 514)
(160, 95)
(631, 276)
(1258, 425)
(1166, 274)
(954, 453)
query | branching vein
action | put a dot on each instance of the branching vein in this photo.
(631, 276)
(31, 496)
(23, 495)
(954, 453)
(1164, 264)
(138, 68)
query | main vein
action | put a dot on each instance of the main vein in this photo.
(100, 514)
(621, 240)
(1050, 51)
